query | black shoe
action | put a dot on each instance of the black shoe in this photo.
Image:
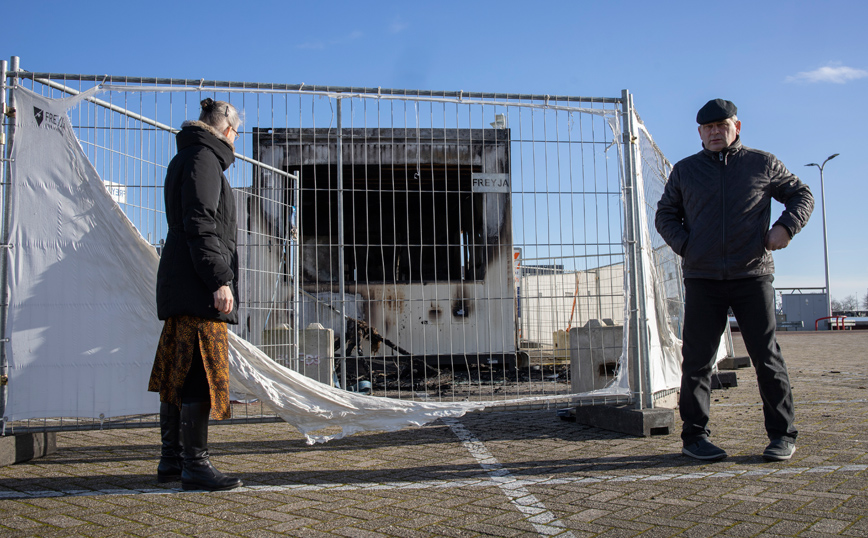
(779, 450)
(204, 476)
(198, 473)
(171, 458)
(703, 450)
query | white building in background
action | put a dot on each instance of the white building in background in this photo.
(552, 300)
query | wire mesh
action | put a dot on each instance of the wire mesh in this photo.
(427, 246)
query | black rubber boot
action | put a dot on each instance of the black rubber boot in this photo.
(198, 473)
(171, 457)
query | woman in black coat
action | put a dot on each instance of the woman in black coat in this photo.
(197, 287)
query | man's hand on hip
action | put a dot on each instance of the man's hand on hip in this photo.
(777, 238)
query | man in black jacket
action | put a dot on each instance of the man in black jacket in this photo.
(715, 213)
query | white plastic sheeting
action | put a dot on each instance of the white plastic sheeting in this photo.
(311, 406)
(664, 346)
(83, 319)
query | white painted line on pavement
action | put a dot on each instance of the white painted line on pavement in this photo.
(798, 403)
(545, 523)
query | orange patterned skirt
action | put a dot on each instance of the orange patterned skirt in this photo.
(181, 335)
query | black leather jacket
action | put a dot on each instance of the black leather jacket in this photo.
(716, 208)
(200, 251)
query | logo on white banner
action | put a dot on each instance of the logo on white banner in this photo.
(47, 119)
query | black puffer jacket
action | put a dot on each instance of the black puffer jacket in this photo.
(716, 208)
(199, 255)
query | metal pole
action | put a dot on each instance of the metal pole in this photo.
(296, 267)
(639, 198)
(4, 367)
(3, 66)
(638, 348)
(341, 281)
(380, 92)
(4, 238)
(148, 121)
(825, 236)
(825, 243)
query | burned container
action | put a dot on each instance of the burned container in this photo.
(412, 249)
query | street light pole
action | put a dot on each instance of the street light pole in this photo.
(825, 237)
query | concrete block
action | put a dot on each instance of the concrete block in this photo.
(277, 344)
(316, 346)
(623, 419)
(723, 380)
(26, 446)
(733, 363)
(594, 353)
(670, 401)
(561, 340)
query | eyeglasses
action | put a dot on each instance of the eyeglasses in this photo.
(234, 130)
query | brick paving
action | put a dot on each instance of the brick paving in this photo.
(515, 473)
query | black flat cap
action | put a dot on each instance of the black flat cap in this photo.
(716, 110)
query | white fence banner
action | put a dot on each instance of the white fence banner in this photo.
(82, 337)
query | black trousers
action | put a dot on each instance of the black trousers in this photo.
(196, 388)
(705, 318)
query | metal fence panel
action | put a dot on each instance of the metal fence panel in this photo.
(451, 242)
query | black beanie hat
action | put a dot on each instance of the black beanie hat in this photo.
(716, 110)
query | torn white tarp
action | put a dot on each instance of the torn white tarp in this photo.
(82, 317)
(82, 322)
(664, 365)
(310, 405)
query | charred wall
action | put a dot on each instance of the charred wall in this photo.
(427, 236)
(411, 213)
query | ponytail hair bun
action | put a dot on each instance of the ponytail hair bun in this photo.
(219, 114)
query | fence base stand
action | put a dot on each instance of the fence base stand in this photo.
(723, 380)
(26, 446)
(733, 363)
(622, 419)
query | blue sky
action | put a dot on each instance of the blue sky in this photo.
(797, 70)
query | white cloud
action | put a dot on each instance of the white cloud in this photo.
(313, 45)
(321, 45)
(398, 26)
(837, 74)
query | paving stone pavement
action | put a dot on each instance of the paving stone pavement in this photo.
(515, 473)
